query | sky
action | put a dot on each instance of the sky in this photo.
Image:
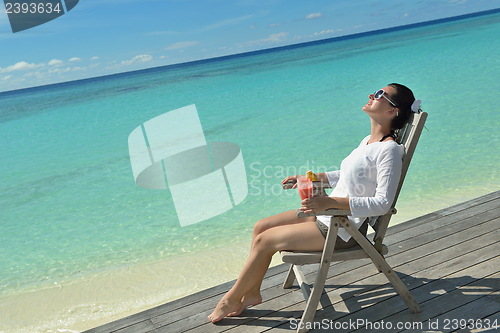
(103, 37)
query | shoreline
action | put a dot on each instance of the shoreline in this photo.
(94, 299)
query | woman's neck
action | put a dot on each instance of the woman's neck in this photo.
(378, 131)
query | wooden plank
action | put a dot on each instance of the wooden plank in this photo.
(458, 219)
(435, 295)
(182, 316)
(493, 322)
(471, 301)
(489, 200)
(165, 308)
(137, 327)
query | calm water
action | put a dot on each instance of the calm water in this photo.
(81, 244)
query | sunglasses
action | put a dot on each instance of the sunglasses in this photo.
(381, 93)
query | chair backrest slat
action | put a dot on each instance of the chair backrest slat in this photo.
(408, 137)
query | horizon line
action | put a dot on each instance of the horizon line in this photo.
(256, 52)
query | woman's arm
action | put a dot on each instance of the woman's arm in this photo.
(322, 177)
(317, 204)
(388, 165)
(291, 179)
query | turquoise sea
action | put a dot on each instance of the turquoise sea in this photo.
(82, 244)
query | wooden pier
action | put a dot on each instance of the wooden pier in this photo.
(449, 260)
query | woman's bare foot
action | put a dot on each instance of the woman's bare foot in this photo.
(246, 301)
(225, 307)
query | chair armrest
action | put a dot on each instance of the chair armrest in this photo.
(328, 212)
(335, 212)
(289, 184)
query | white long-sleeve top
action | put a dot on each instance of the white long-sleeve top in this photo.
(369, 177)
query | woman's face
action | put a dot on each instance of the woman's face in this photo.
(381, 105)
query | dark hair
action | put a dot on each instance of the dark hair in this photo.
(403, 98)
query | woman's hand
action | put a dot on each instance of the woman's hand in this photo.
(292, 179)
(316, 204)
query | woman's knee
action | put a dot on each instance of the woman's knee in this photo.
(263, 243)
(259, 227)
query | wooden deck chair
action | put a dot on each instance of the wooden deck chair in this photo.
(409, 136)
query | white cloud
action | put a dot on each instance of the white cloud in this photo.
(94, 65)
(275, 38)
(12, 82)
(274, 25)
(182, 45)
(59, 70)
(6, 77)
(94, 58)
(252, 26)
(55, 62)
(75, 59)
(163, 57)
(326, 32)
(313, 16)
(137, 59)
(316, 34)
(22, 65)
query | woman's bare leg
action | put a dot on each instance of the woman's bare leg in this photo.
(303, 236)
(253, 297)
(285, 218)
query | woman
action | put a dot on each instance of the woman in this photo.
(365, 185)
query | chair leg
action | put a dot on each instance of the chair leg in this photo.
(313, 301)
(396, 282)
(384, 267)
(289, 278)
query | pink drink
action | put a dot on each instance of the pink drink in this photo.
(305, 187)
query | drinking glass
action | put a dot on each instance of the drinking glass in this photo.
(305, 187)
